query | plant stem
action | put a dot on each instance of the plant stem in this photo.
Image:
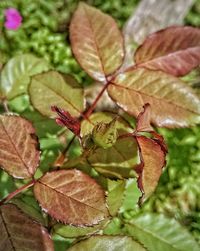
(17, 191)
(60, 159)
(5, 105)
(92, 107)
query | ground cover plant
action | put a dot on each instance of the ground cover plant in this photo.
(120, 154)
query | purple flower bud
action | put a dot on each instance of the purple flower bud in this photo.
(13, 19)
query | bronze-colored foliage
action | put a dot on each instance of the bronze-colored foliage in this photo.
(20, 233)
(175, 50)
(152, 152)
(152, 159)
(72, 197)
(96, 41)
(173, 103)
(19, 155)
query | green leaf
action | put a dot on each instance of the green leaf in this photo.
(105, 134)
(19, 154)
(16, 74)
(96, 41)
(114, 227)
(117, 161)
(20, 232)
(115, 195)
(173, 103)
(42, 124)
(52, 89)
(7, 184)
(131, 196)
(71, 197)
(157, 232)
(69, 231)
(107, 243)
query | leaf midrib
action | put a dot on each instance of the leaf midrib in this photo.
(95, 42)
(154, 235)
(56, 191)
(153, 97)
(12, 143)
(154, 59)
(59, 95)
(8, 233)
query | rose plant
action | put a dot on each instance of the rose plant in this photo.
(121, 158)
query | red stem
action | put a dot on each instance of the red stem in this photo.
(92, 107)
(17, 191)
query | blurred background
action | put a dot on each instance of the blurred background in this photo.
(44, 32)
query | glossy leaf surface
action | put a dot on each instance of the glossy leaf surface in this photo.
(50, 88)
(175, 50)
(96, 42)
(19, 155)
(116, 161)
(71, 197)
(105, 243)
(21, 233)
(157, 232)
(131, 196)
(16, 74)
(173, 103)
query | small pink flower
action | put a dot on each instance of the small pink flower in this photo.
(13, 19)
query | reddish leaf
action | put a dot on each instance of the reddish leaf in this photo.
(72, 197)
(175, 50)
(18, 147)
(96, 42)
(173, 103)
(21, 233)
(152, 157)
(65, 119)
(144, 120)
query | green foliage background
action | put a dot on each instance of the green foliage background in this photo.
(44, 32)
